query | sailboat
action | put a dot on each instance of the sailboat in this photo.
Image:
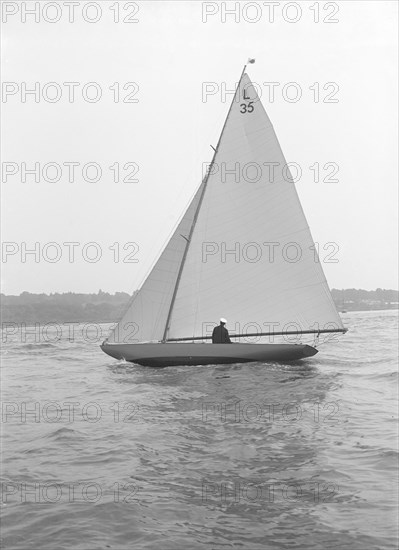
(242, 250)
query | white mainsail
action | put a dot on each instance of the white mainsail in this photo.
(250, 257)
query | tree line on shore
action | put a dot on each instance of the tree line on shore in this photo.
(103, 307)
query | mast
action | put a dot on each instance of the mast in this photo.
(205, 182)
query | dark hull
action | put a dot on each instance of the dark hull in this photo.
(165, 355)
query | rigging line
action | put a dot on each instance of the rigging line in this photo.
(201, 268)
(205, 182)
(134, 294)
(182, 263)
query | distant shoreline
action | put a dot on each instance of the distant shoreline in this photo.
(27, 324)
(103, 307)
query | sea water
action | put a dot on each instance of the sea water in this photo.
(99, 453)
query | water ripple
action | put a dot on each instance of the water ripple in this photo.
(106, 454)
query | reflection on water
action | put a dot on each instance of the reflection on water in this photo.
(249, 455)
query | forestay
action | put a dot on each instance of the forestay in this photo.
(146, 317)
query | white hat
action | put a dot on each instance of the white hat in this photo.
(223, 320)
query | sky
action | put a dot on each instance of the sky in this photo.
(139, 91)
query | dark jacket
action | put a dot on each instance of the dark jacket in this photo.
(220, 335)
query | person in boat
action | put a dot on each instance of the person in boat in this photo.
(220, 334)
